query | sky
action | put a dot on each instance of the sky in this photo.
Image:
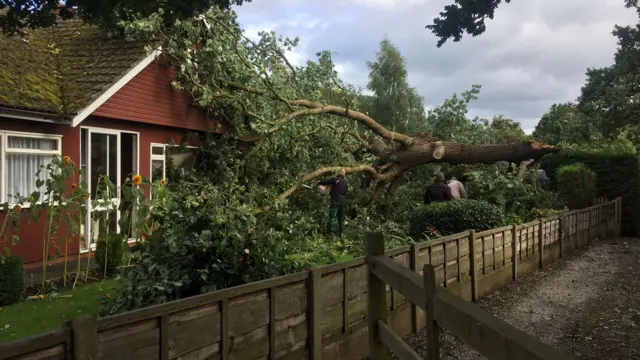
(533, 54)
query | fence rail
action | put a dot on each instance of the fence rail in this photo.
(484, 332)
(322, 313)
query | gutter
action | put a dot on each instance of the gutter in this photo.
(14, 113)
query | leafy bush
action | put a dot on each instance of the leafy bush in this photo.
(451, 217)
(617, 175)
(11, 280)
(576, 184)
(110, 252)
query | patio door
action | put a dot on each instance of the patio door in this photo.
(102, 149)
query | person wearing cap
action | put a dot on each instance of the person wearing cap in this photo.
(339, 190)
(438, 191)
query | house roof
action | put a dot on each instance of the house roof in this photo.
(63, 69)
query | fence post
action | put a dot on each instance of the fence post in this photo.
(85, 338)
(589, 211)
(413, 264)
(377, 304)
(561, 234)
(433, 332)
(514, 252)
(314, 301)
(541, 242)
(472, 265)
(618, 216)
(577, 225)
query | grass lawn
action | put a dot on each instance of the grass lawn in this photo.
(32, 317)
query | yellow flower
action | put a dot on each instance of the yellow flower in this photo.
(246, 251)
(163, 182)
(87, 196)
(73, 186)
(137, 179)
(41, 297)
(67, 160)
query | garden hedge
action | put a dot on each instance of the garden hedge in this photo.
(450, 217)
(11, 280)
(576, 184)
(617, 176)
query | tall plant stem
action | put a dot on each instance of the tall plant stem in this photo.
(47, 240)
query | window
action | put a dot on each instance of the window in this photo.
(22, 156)
(158, 163)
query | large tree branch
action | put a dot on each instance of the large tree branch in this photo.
(319, 108)
(323, 171)
(425, 153)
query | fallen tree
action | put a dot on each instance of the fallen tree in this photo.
(256, 94)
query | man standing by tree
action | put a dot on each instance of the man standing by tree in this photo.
(438, 191)
(457, 188)
(339, 190)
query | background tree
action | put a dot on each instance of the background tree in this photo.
(469, 17)
(564, 123)
(16, 15)
(396, 104)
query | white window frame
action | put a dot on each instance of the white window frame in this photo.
(4, 150)
(88, 244)
(162, 157)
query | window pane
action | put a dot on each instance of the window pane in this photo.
(157, 150)
(17, 142)
(183, 157)
(21, 174)
(104, 161)
(157, 170)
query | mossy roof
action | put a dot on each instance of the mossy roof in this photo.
(62, 69)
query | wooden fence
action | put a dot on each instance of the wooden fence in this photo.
(320, 313)
(492, 337)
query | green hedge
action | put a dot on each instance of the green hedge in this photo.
(114, 251)
(11, 280)
(576, 184)
(452, 217)
(618, 176)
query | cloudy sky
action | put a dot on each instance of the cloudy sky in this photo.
(533, 54)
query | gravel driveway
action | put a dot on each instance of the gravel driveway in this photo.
(587, 304)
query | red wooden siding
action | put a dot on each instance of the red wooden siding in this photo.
(149, 98)
(32, 234)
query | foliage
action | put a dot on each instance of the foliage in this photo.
(564, 124)
(618, 176)
(469, 17)
(576, 184)
(110, 252)
(450, 217)
(11, 280)
(544, 213)
(42, 13)
(398, 105)
(500, 185)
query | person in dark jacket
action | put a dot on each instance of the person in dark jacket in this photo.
(438, 191)
(339, 190)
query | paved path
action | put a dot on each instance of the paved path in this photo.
(587, 304)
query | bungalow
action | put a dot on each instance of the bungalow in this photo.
(72, 90)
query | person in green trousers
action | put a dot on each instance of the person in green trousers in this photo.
(339, 190)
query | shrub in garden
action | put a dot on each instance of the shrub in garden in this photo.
(576, 184)
(451, 217)
(11, 280)
(110, 252)
(618, 174)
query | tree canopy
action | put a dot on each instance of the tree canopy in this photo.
(464, 16)
(16, 15)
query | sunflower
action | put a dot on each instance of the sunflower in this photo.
(87, 196)
(163, 182)
(137, 179)
(73, 186)
(67, 160)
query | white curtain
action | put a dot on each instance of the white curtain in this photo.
(21, 168)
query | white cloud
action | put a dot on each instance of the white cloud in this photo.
(533, 54)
